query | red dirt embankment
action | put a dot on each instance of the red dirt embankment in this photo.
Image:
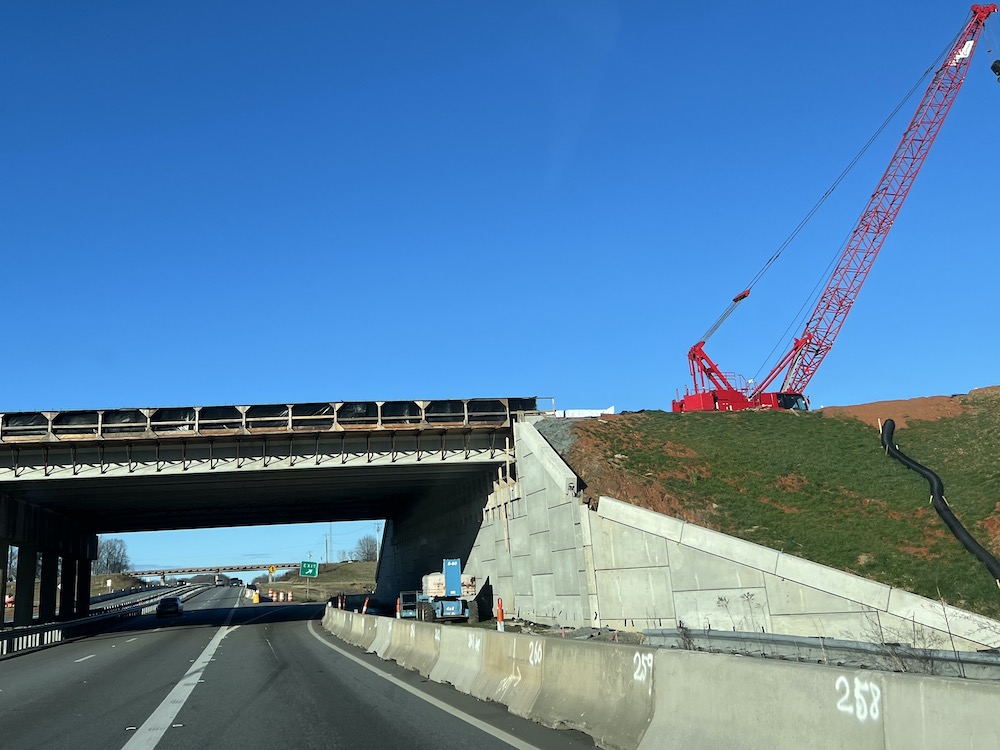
(606, 475)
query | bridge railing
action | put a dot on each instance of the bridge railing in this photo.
(212, 421)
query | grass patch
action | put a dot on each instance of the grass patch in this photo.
(333, 579)
(822, 488)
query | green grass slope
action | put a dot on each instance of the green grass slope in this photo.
(332, 579)
(817, 486)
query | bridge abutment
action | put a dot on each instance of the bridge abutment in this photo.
(444, 524)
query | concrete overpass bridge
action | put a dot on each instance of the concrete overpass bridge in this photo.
(67, 476)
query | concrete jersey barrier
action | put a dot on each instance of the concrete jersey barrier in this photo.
(460, 658)
(629, 697)
(602, 689)
(708, 701)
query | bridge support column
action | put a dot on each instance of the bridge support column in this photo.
(24, 592)
(48, 586)
(4, 575)
(82, 589)
(67, 590)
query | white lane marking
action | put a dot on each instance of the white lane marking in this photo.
(471, 720)
(77, 661)
(131, 639)
(153, 729)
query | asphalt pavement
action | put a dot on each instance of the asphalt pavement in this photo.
(231, 674)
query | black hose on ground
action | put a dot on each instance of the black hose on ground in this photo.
(940, 505)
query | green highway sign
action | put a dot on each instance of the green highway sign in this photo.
(308, 569)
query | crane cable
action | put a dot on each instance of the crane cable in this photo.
(992, 45)
(805, 220)
(990, 35)
(814, 294)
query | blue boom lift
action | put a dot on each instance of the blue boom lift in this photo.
(447, 595)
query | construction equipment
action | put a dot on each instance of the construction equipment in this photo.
(716, 390)
(448, 595)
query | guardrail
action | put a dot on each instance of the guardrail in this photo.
(213, 421)
(896, 657)
(18, 640)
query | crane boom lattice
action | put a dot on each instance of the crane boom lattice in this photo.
(879, 215)
(715, 390)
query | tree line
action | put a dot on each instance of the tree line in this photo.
(112, 557)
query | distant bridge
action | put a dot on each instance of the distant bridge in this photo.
(217, 569)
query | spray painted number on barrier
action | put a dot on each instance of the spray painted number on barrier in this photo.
(643, 666)
(534, 653)
(475, 642)
(867, 699)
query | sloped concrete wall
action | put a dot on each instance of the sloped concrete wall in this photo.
(555, 561)
(722, 583)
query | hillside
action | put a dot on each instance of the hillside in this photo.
(817, 484)
(354, 578)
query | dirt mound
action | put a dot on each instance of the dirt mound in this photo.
(927, 408)
(606, 474)
(584, 445)
(901, 412)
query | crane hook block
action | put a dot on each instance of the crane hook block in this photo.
(995, 67)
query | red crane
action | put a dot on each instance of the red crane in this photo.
(715, 390)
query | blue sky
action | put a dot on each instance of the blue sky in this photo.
(245, 202)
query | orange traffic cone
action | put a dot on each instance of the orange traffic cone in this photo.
(499, 615)
(399, 614)
(364, 609)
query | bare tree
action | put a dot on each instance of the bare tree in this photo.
(367, 548)
(112, 557)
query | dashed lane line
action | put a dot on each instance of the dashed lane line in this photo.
(151, 732)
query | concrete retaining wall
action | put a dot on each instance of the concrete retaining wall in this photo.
(555, 561)
(628, 697)
(533, 542)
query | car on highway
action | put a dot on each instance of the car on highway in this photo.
(170, 605)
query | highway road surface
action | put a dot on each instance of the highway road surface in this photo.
(230, 674)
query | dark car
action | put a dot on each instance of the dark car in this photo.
(170, 605)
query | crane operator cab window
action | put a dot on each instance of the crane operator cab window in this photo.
(793, 401)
